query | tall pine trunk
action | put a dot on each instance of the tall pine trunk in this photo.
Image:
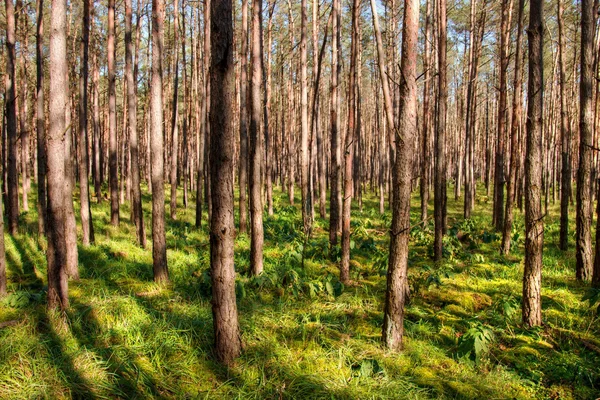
(534, 223)
(159, 248)
(222, 78)
(56, 254)
(137, 212)
(84, 188)
(396, 293)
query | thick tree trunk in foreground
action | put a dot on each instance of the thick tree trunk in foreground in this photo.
(12, 197)
(136, 209)
(586, 140)
(256, 145)
(112, 118)
(56, 254)
(84, 188)
(159, 247)
(534, 223)
(222, 229)
(393, 319)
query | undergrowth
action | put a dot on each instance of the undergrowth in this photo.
(305, 334)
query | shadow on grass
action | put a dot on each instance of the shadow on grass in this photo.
(79, 386)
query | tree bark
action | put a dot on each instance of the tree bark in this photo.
(425, 163)
(514, 142)
(256, 144)
(499, 178)
(12, 198)
(335, 170)
(396, 293)
(85, 211)
(534, 223)
(41, 120)
(159, 248)
(351, 136)
(112, 118)
(243, 171)
(137, 212)
(304, 150)
(56, 254)
(440, 144)
(222, 80)
(175, 114)
(586, 140)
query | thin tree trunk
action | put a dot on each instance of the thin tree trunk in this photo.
(137, 212)
(425, 178)
(335, 170)
(112, 123)
(256, 144)
(534, 223)
(440, 144)
(351, 136)
(41, 121)
(12, 198)
(304, 150)
(86, 212)
(243, 167)
(175, 115)
(159, 248)
(514, 135)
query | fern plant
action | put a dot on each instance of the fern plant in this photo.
(475, 342)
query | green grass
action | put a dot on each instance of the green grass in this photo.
(305, 336)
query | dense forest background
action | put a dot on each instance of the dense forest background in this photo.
(315, 199)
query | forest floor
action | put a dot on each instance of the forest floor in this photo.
(305, 335)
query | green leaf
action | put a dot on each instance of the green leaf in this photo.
(329, 288)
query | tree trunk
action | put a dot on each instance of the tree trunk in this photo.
(514, 142)
(86, 213)
(41, 121)
(112, 117)
(534, 223)
(159, 248)
(137, 212)
(12, 198)
(351, 136)
(256, 144)
(222, 75)
(304, 150)
(243, 172)
(586, 140)
(396, 293)
(335, 176)
(440, 144)
(565, 134)
(175, 114)
(57, 245)
(425, 179)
